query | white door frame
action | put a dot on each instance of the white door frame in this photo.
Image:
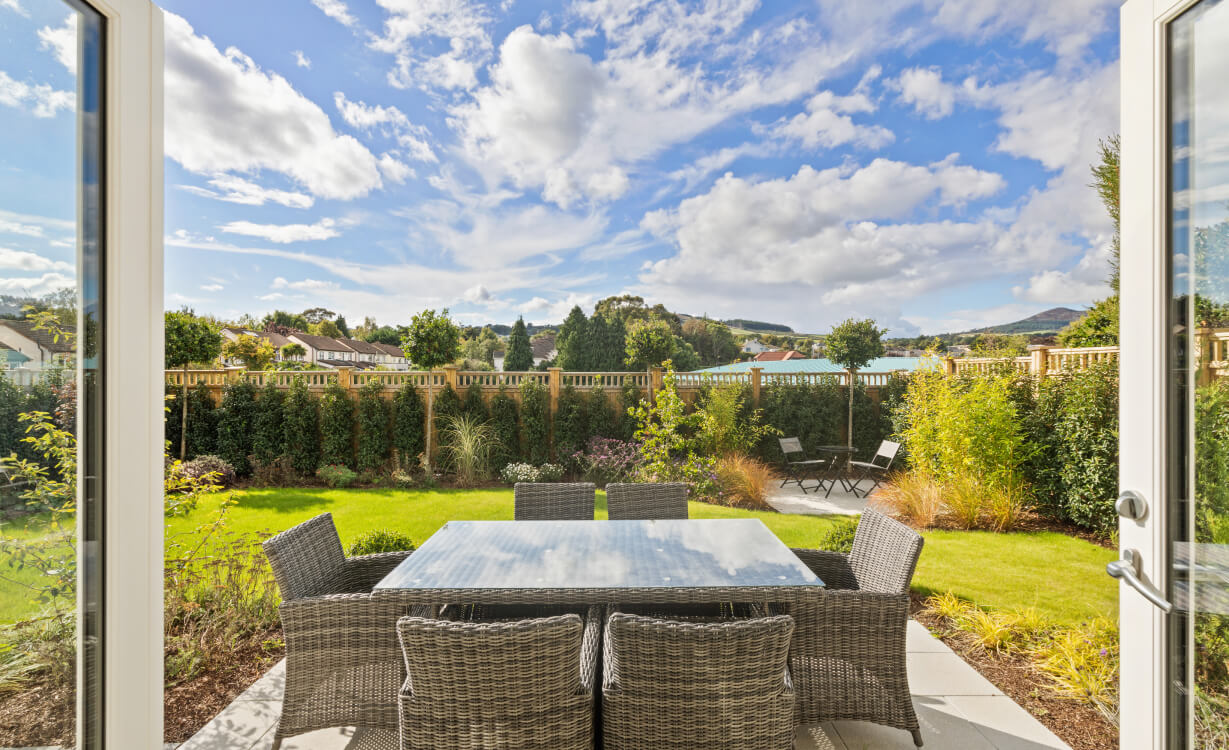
(132, 669)
(1143, 411)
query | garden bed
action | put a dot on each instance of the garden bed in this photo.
(1078, 724)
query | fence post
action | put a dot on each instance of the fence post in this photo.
(556, 384)
(654, 383)
(949, 366)
(756, 381)
(450, 376)
(1203, 355)
(344, 377)
(1039, 360)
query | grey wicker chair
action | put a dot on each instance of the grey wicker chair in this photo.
(499, 684)
(646, 500)
(847, 658)
(553, 501)
(343, 666)
(688, 683)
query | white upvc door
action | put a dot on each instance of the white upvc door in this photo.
(1174, 530)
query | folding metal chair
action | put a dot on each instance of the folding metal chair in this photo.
(796, 471)
(876, 469)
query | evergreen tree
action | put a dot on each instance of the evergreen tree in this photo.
(236, 425)
(409, 423)
(300, 428)
(336, 426)
(520, 353)
(602, 419)
(268, 442)
(506, 423)
(573, 342)
(372, 427)
(474, 405)
(202, 421)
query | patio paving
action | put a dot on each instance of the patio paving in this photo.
(957, 707)
(791, 499)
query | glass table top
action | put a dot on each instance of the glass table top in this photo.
(699, 553)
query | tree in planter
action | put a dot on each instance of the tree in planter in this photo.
(853, 344)
(431, 341)
(520, 351)
(336, 426)
(300, 429)
(409, 419)
(237, 425)
(372, 427)
(254, 352)
(507, 430)
(189, 340)
(269, 436)
(535, 421)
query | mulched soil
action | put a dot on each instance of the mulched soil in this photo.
(190, 705)
(1078, 724)
(38, 715)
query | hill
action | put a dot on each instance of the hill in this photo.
(757, 326)
(1047, 321)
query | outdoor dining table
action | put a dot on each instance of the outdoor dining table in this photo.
(841, 456)
(596, 562)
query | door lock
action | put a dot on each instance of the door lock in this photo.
(1131, 504)
(1128, 571)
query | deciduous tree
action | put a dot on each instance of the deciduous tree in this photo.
(852, 345)
(431, 341)
(189, 340)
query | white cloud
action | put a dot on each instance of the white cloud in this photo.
(21, 260)
(393, 169)
(14, 227)
(234, 189)
(14, 6)
(302, 60)
(827, 123)
(336, 10)
(285, 233)
(711, 163)
(304, 285)
(479, 238)
(926, 90)
(40, 99)
(553, 312)
(212, 287)
(389, 120)
(36, 286)
(224, 113)
(414, 31)
(62, 41)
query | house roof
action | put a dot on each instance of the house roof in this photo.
(362, 347)
(389, 349)
(542, 347)
(778, 356)
(883, 364)
(44, 338)
(322, 343)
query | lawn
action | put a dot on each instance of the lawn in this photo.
(1063, 577)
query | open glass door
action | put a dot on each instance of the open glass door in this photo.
(1175, 338)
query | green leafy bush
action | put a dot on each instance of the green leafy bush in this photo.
(202, 421)
(446, 406)
(840, 537)
(409, 424)
(726, 422)
(211, 469)
(1087, 442)
(571, 424)
(667, 444)
(372, 424)
(380, 540)
(237, 425)
(603, 422)
(474, 404)
(1212, 463)
(269, 435)
(300, 429)
(336, 476)
(630, 397)
(505, 424)
(336, 426)
(813, 413)
(535, 422)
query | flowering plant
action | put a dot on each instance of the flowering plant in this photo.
(606, 460)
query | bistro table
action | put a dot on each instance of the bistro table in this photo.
(595, 562)
(841, 456)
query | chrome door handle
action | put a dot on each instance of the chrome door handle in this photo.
(1127, 570)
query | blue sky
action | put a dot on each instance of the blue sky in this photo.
(923, 162)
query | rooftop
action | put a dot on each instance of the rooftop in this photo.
(883, 364)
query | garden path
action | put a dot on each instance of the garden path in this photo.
(791, 499)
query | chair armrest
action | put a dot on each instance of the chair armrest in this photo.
(832, 567)
(589, 649)
(360, 574)
(335, 624)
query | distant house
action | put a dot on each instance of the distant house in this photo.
(543, 350)
(325, 351)
(392, 357)
(34, 348)
(779, 356)
(957, 350)
(276, 340)
(367, 355)
(10, 357)
(755, 346)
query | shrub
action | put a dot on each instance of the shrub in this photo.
(815, 414)
(1087, 437)
(840, 537)
(210, 469)
(965, 498)
(409, 422)
(727, 423)
(603, 422)
(474, 403)
(336, 426)
(372, 427)
(269, 437)
(380, 540)
(606, 460)
(550, 473)
(445, 407)
(743, 482)
(518, 472)
(535, 425)
(202, 421)
(336, 475)
(237, 425)
(571, 426)
(1082, 663)
(506, 429)
(913, 496)
(466, 445)
(667, 446)
(300, 428)
(629, 399)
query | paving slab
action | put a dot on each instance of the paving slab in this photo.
(791, 499)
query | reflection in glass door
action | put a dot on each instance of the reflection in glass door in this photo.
(51, 397)
(1198, 465)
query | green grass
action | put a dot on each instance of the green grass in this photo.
(1063, 577)
(15, 583)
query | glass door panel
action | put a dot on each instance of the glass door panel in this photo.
(1198, 460)
(51, 348)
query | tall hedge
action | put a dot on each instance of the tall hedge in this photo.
(202, 421)
(15, 400)
(474, 404)
(603, 422)
(1087, 433)
(237, 425)
(630, 397)
(506, 424)
(269, 434)
(336, 426)
(815, 414)
(1212, 463)
(301, 428)
(535, 421)
(448, 405)
(571, 422)
(372, 423)
(409, 421)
